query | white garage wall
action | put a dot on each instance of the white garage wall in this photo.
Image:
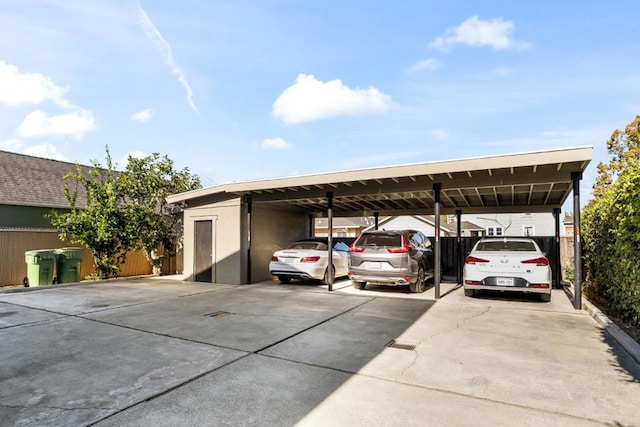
(227, 244)
(273, 229)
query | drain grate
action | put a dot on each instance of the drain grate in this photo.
(401, 345)
(217, 314)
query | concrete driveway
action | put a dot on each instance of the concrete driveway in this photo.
(163, 352)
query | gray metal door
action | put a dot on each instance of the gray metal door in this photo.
(204, 251)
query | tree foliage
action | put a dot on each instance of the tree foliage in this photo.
(147, 182)
(611, 227)
(124, 211)
(624, 147)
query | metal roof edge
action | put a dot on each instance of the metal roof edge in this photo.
(556, 155)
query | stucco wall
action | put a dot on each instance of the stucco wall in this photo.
(227, 245)
(273, 229)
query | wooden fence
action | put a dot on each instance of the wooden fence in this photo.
(15, 242)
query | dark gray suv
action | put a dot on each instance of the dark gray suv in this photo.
(402, 257)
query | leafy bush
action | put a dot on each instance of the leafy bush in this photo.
(611, 234)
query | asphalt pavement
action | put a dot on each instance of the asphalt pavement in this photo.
(163, 352)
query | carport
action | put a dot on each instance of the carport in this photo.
(230, 229)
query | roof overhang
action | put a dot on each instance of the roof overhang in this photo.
(525, 182)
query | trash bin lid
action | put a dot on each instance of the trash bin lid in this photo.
(35, 256)
(70, 253)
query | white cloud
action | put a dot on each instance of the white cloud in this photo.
(18, 88)
(11, 144)
(136, 155)
(48, 151)
(440, 134)
(275, 144)
(39, 123)
(426, 64)
(165, 50)
(476, 32)
(143, 115)
(310, 99)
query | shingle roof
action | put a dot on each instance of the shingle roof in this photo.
(34, 181)
(465, 225)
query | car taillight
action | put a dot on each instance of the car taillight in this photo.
(356, 249)
(472, 283)
(474, 260)
(310, 259)
(274, 258)
(537, 261)
(541, 286)
(402, 250)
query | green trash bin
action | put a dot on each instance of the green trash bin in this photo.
(39, 267)
(68, 264)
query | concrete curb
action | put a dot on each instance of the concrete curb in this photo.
(621, 337)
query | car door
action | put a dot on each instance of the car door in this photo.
(427, 254)
(417, 244)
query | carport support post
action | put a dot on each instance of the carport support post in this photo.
(557, 275)
(459, 248)
(312, 226)
(376, 217)
(577, 247)
(436, 250)
(330, 239)
(249, 208)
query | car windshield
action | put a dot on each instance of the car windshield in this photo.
(341, 246)
(380, 240)
(506, 245)
(308, 245)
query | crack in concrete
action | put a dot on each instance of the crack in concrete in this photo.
(464, 320)
(410, 365)
(60, 408)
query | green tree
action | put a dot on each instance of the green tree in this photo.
(611, 228)
(125, 210)
(101, 225)
(624, 147)
(147, 182)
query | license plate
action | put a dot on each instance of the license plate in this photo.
(504, 281)
(288, 260)
(375, 265)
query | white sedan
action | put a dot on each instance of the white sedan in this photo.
(307, 259)
(507, 264)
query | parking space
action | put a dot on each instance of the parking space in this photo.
(165, 352)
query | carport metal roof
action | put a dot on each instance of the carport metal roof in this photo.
(523, 182)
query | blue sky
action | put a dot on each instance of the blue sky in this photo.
(242, 90)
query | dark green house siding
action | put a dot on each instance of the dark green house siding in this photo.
(23, 217)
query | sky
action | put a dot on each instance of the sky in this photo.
(254, 89)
